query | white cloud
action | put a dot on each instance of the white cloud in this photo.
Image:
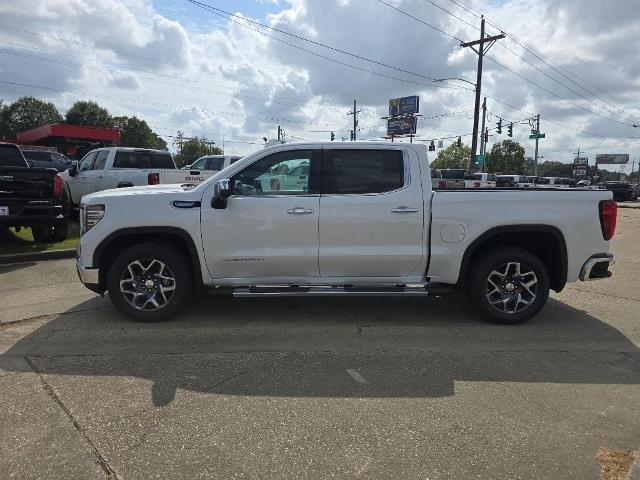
(223, 78)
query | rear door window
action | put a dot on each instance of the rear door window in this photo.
(10, 156)
(162, 160)
(131, 159)
(362, 171)
(215, 164)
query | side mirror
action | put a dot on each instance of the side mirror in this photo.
(221, 191)
(73, 169)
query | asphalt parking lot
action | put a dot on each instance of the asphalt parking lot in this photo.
(317, 388)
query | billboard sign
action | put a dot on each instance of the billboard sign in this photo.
(612, 159)
(402, 126)
(581, 161)
(404, 106)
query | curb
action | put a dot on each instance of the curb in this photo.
(38, 256)
(635, 206)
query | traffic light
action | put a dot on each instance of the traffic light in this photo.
(333, 136)
(499, 124)
(352, 135)
(460, 142)
(432, 146)
(486, 136)
(510, 131)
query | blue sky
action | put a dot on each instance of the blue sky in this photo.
(194, 17)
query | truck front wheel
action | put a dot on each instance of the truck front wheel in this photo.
(149, 282)
(508, 285)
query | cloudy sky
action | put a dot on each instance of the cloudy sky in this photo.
(199, 70)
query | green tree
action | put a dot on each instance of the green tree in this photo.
(555, 169)
(136, 133)
(190, 149)
(453, 156)
(27, 113)
(506, 157)
(88, 114)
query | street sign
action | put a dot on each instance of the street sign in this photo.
(612, 159)
(480, 159)
(581, 161)
(402, 126)
(537, 135)
(404, 106)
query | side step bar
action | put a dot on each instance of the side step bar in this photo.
(433, 290)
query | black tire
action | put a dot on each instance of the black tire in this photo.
(177, 268)
(508, 307)
(50, 233)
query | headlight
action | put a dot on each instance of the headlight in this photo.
(89, 216)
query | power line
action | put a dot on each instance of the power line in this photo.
(231, 17)
(513, 71)
(550, 63)
(166, 105)
(173, 78)
(437, 29)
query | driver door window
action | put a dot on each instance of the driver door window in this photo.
(284, 173)
(87, 162)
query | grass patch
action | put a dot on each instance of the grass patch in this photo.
(22, 242)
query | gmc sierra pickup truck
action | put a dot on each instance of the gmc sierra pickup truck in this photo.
(31, 197)
(118, 167)
(362, 220)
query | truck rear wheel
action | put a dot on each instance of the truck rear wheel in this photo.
(509, 285)
(149, 282)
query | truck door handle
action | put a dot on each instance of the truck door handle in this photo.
(403, 209)
(300, 211)
(194, 172)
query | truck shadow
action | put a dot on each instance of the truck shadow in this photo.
(363, 348)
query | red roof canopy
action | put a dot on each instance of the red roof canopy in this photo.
(70, 132)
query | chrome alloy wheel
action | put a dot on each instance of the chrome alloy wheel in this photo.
(147, 285)
(512, 287)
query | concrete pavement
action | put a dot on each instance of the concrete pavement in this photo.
(317, 388)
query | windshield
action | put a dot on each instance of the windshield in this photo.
(11, 156)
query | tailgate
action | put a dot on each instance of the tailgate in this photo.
(26, 183)
(184, 176)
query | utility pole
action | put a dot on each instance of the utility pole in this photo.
(279, 133)
(355, 113)
(481, 51)
(535, 158)
(483, 144)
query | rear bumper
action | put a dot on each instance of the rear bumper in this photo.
(597, 267)
(28, 214)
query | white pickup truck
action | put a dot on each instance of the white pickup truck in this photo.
(362, 221)
(118, 167)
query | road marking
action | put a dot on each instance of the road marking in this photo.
(356, 376)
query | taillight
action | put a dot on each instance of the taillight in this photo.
(57, 186)
(608, 218)
(442, 184)
(153, 178)
(476, 185)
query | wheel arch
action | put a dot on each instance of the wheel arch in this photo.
(545, 241)
(108, 249)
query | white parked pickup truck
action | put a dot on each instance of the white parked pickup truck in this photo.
(118, 167)
(363, 221)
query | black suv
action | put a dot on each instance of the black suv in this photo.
(622, 191)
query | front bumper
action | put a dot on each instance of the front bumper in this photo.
(597, 267)
(88, 276)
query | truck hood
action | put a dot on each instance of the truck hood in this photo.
(141, 190)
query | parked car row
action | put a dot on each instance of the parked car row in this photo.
(460, 178)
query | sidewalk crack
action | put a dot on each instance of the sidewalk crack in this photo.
(102, 461)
